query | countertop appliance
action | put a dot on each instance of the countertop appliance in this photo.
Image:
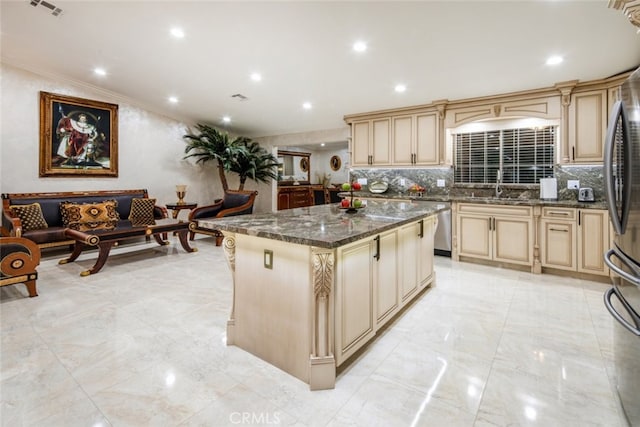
(585, 194)
(548, 189)
(622, 191)
(442, 242)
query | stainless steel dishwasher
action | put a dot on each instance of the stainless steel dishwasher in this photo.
(442, 243)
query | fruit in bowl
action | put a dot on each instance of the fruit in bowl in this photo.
(415, 188)
(356, 186)
(345, 203)
(357, 203)
(346, 186)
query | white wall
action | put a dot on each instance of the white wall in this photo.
(150, 146)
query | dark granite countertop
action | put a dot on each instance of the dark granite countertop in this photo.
(488, 200)
(327, 226)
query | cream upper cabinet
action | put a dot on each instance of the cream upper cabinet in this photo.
(546, 107)
(495, 232)
(587, 126)
(416, 140)
(574, 239)
(371, 142)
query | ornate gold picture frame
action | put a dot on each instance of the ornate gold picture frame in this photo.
(78, 137)
(335, 162)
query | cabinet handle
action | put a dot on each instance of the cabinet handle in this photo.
(421, 234)
(558, 229)
(559, 213)
(490, 223)
(377, 254)
(370, 159)
(579, 218)
(573, 153)
(413, 158)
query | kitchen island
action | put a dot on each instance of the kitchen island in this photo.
(313, 285)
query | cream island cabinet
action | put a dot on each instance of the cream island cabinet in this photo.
(313, 285)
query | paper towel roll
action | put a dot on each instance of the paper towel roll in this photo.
(548, 188)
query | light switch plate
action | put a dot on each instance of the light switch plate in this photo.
(440, 183)
(402, 181)
(573, 184)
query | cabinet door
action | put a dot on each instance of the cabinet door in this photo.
(360, 143)
(593, 241)
(380, 141)
(402, 141)
(558, 244)
(426, 243)
(283, 200)
(354, 298)
(587, 126)
(408, 260)
(474, 236)
(427, 139)
(512, 240)
(386, 277)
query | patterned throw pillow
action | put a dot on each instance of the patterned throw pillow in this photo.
(30, 216)
(89, 216)
(142, 210)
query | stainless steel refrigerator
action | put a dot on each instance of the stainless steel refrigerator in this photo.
(622, 188)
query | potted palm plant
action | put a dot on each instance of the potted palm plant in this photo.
(239, 155)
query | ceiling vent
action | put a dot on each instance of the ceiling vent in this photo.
(240, 97)
(55, 11)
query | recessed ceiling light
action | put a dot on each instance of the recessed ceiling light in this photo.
(400, 88)
(359, 46)
(177, 33)
(322, 145)
(173, 100)
(226, 119)
(554, 60)
(307, 105)
(256, 77)
(100, 71)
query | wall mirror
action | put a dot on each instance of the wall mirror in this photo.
(294, 167)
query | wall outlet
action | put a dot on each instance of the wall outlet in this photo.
(402, 181)
(573, 184)
(440, 183)
(362, 181)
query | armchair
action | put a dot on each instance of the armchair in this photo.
(233, 203)
(19, 259)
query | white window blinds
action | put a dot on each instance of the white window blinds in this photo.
(524, 155)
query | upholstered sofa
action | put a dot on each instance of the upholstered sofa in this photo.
(39, 218)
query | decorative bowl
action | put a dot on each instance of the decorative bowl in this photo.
(378, 187)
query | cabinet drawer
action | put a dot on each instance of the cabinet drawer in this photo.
(491, 210)
(558, 213)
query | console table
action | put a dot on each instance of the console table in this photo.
(104, 239)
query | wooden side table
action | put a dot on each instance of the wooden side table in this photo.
(176, 208)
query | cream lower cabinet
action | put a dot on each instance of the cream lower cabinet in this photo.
(376, 277)
(495, 233)
(574, 239)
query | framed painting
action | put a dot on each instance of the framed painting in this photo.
(78, 137)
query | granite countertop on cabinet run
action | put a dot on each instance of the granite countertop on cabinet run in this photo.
(327, 226)
(489, 200)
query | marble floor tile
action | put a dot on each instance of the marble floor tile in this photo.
(143, 343)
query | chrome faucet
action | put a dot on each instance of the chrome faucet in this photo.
(498, 182)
